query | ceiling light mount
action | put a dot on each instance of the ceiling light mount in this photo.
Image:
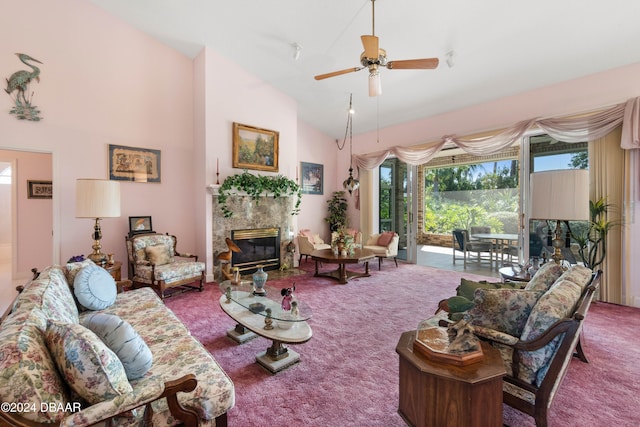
(450, 57)
(297, 50)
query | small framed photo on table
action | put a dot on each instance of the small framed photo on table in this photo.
(312, 178)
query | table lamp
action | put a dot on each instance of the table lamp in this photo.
(561, 195)
(97, 198)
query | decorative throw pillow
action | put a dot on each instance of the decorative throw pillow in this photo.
(578, 274)
(544, 277)
(385, 238)
(29, 375)
(307, 233)
(123, 340)
(158, 254)
(86, 363)
(505, 310)
(95, 288)
(554, 305)
(316, 239)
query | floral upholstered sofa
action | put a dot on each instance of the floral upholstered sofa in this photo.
(537, 331)
(55, 369)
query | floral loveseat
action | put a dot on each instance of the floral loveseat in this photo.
(82, 382)
(537, 330)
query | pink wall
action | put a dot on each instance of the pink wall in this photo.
(102, 82)
(316, 147)
(231, 94)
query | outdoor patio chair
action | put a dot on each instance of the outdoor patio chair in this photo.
(460, 242)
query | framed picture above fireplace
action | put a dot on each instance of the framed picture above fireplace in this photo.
(312, 178)
(255, 148)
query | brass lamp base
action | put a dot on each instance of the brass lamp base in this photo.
(557, 243)
(99, 258)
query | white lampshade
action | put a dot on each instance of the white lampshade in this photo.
(97, 198)
(560, 195)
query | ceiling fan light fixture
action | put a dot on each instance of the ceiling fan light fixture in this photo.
(375, 85)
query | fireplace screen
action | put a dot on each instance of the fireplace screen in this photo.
(259, 246)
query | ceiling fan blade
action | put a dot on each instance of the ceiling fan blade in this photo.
(371, 46)
(337, 73)
(407, 64)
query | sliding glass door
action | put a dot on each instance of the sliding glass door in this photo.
(396, 205)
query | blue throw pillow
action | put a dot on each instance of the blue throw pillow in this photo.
(95, 288)
(123, 340)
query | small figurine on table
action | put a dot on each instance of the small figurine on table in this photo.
(287, 296)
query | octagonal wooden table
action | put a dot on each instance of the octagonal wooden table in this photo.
(341, 274)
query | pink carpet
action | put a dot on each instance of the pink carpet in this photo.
(348, 375)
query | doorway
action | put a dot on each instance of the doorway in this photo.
(26, 227)
(396, 205)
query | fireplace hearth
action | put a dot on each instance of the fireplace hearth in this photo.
(259, 246)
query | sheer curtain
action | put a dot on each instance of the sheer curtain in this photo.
(631, 230)
(587, 127)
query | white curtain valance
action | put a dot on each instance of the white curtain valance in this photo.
(572, 129)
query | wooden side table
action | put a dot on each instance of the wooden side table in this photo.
(440, 394)
(115, 270)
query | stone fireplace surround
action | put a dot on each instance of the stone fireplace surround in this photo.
(266, 212)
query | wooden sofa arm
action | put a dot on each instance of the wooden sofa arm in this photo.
(188, 417)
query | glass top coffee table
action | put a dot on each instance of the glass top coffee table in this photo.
(263, 315)
(341, 274)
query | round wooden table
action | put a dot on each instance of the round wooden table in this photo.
(341, 274)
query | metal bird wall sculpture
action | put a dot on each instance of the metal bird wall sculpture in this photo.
(19, 82)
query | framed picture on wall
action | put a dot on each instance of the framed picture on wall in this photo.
(255, 148)
(312, 178)
(39, 189)
(140, 225)
(134, 164)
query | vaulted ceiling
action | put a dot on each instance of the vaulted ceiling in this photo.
(500, 48)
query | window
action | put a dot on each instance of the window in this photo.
(5, 173)
(476, 193)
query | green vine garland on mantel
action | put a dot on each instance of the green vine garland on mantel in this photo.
(257, 185)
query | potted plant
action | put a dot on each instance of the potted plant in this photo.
(337, 217)
(592, 240)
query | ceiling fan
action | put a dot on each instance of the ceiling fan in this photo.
(374, 57)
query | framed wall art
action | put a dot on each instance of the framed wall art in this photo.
(255, 148)
(140, 225)
(312, 178)
(134, 164)
(39, 189)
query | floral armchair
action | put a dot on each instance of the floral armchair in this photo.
(155, 262)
